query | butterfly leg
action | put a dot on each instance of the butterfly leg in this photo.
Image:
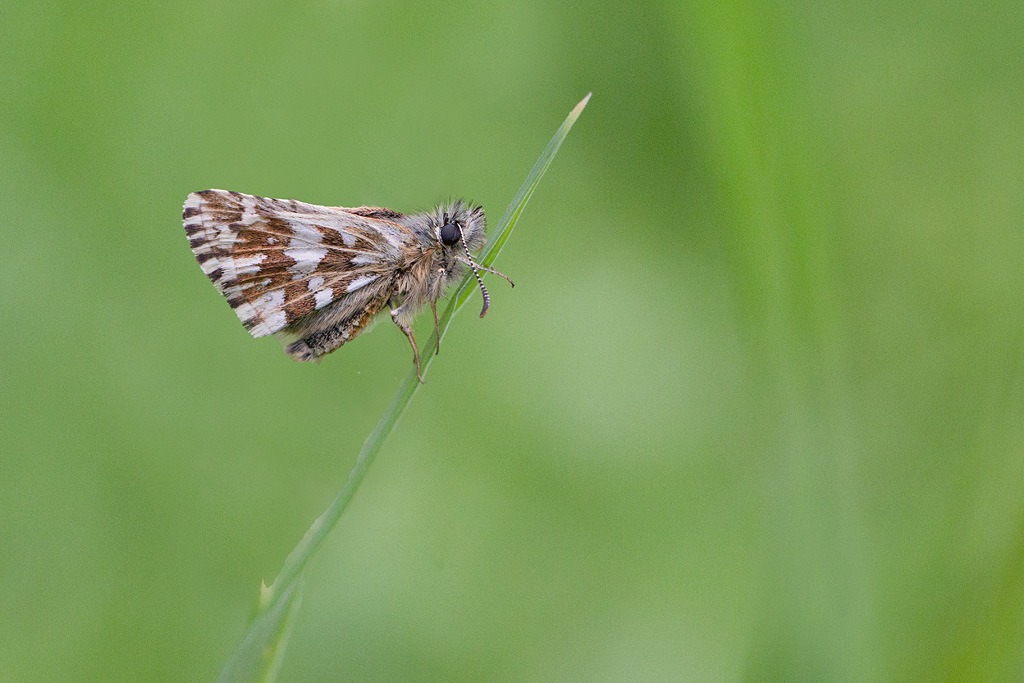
(407, 329)
(437, 330)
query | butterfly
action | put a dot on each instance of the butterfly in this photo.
(315, 276)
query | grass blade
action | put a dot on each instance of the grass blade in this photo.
(251, 661)
(261, 652)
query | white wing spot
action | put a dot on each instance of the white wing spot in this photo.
(306, 261)
(247, 265)
(249, 215)
(194, 201)
(269, 302)
(268, 309)
(323, 297)
(305, 233)
(303, 250)
(361, 281)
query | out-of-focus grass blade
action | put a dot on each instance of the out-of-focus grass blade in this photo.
(259, 655)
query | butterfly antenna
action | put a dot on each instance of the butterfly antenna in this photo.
(485, 268)
(479, 281)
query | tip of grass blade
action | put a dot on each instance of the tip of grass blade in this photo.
(579, 107)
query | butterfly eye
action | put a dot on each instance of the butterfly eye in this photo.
(450, 234)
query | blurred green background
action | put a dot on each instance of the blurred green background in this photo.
(752, 413)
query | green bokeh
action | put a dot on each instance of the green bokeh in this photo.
(753, 412)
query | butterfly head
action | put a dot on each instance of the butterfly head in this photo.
(459, 231)
(460, 227)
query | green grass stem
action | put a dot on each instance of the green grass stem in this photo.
(259, 656)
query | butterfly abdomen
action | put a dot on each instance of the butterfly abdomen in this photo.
(317, 344)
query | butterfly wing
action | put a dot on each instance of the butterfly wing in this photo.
(279, 260)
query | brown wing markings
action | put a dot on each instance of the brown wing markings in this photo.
(373, 212)
(307, 298)
(296, 304)
(376, 213)
(299, 299)
(260, 249)
(287, 238)
(370, 214)
(222, 234)
(247, 242)
(222, 208)
(279, 263)
(276, 273)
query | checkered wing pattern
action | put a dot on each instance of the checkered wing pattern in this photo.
(278, 261)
